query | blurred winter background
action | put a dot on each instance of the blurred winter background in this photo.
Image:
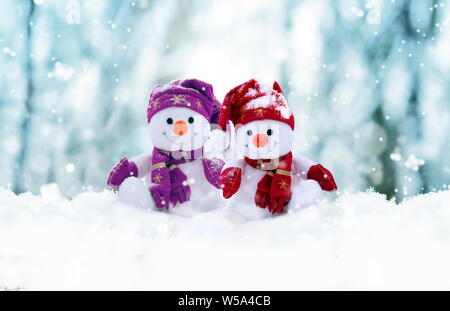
(369, 82)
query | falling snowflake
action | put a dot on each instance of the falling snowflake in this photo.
(413, 163)
(395, 157)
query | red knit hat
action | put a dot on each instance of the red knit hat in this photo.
(252, 101)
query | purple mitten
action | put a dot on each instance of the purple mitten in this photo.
(212, 169)
(181, 192)
(161, 194)
(120, 172)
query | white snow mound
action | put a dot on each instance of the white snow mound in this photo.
(360, 241)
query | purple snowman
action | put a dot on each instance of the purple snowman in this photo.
(176, 175)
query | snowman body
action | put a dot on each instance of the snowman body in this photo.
(175, 129)
(269, 139)
(135, 191)
(304, 193)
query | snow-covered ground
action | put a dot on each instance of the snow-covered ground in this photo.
(359, 241)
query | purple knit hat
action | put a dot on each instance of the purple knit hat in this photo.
(189, 93)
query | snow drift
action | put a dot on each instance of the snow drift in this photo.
(359, 241)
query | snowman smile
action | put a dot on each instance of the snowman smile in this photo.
(165, 134)
(268, 149)
(177, 138)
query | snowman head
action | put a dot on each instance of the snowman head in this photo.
(180, 114)
(264, 139)
(179, 128)
(263, 119)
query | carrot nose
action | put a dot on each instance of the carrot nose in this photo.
(180, 128)
(260, 140)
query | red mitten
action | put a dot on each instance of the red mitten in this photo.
(280, 193)
(323, 177)
(262, 198)
(230, 181)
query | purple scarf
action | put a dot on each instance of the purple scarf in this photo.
(171, 182)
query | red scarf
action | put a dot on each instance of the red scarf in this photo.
(274, 189)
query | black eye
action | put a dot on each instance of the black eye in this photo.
(249, 132)
(269, 132)
(191, 120)
(169, 120)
